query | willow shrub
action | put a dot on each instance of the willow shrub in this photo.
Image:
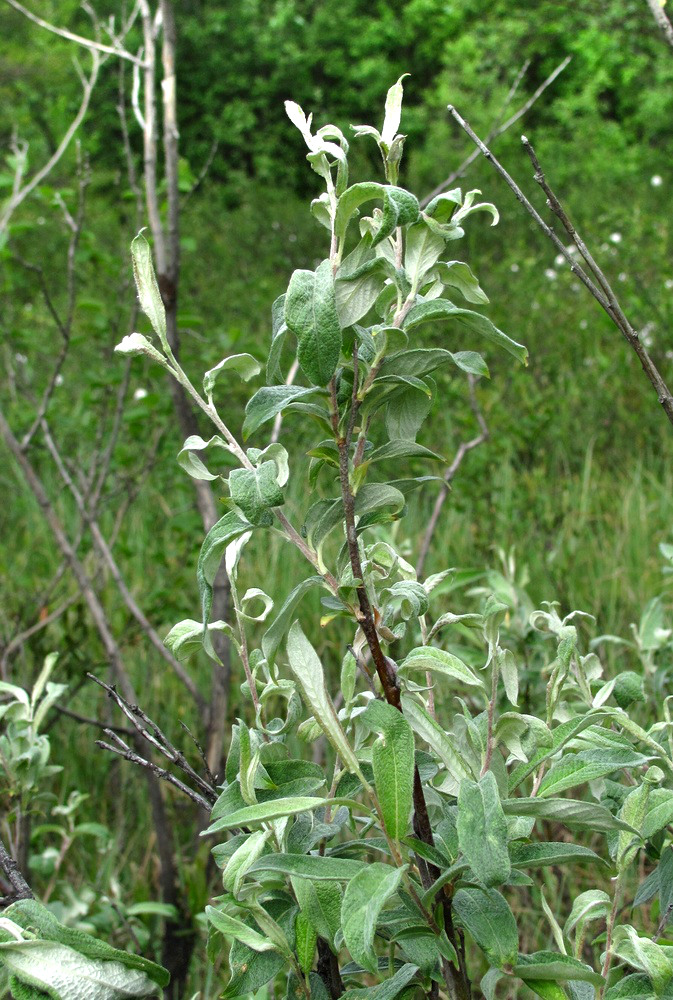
(396, 868)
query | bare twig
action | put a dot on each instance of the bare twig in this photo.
(21, 637)
(64, 324)
(116, 574)
(19, 195)
(152, 734)
(203, 172)
(88, 43)
(597, 284)
(86, 721)
(662, 19)
(13, 874)
(463, 449)
(123, 750)
(499, 127)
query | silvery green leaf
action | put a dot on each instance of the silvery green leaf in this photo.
(320, 208)
(269, 401)
(659, 812)
(366, 130)
(393, 112)
(594, 904)
(276, 453)
(134, 344)
(307, 668)
(275, 634)
(643, 954)
(191, 463)
(265, 812)
(468, 207)
(234, 929)
(311, 314)
(467, 319)
(306, 939)
(577, 769)
(509, 673)
(439, 661)
(407, 408)
(423, 249)
(444, 205)
(457, 274)
(186, 637)
(486, 915)
(320, 901)
(256, 492)
(242, 860)
(255, 594)
(243, 364)
(429, 730)
(149, 295)
(389, 988)
(363, 901)
(351, 200)
(551, 853)
(225, 531)
(42, 678)
(400, 208)
(300, 121)
(393, 763)
(482, 830)
(59, 970)
(550, 965)
(310, 866)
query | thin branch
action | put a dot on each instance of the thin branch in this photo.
(122, 750)
(13, 873)
(115, 572)
(88, 43)
(605, 295)
(203, 172)
(662, 19)
(499, 127)
(463, 449)
(19, 196)
(86, 721)
(21, 637)
(612, 306)
(152, 734)
(64, 324)
(521, 197)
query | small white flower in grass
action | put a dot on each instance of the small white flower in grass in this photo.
(559, 260)
(275, 224)
(668, 283)
(140, 393)
(292, 238)
(572, 249)
(20, 359)
(514, 268)
(58, 380)
(615, 237)
(583, 324)
(622, 276)
(656, 181)
(550, 273)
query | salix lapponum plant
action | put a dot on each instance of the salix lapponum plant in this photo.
(396, 868)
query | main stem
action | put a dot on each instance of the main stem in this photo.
(456, 979)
